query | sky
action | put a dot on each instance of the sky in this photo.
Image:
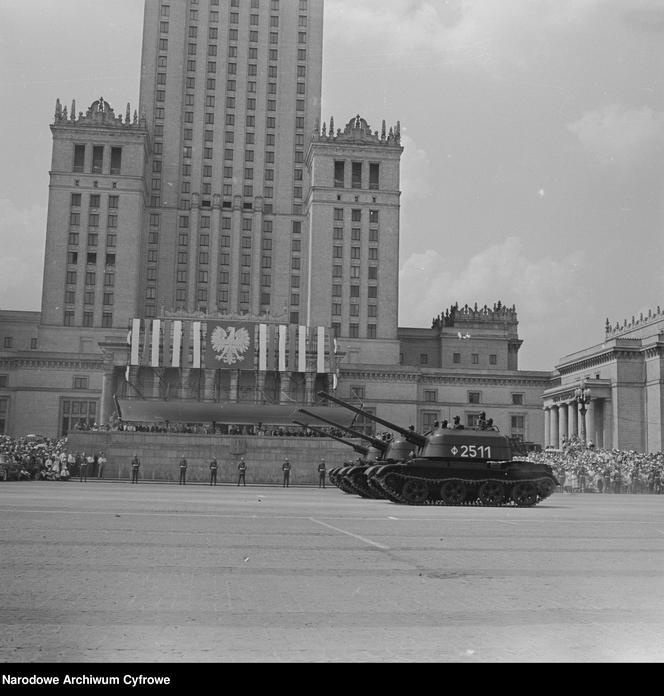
(533, 168)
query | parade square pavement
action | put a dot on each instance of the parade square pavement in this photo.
(109, 572)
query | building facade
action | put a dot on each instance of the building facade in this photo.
(623, 382)
(221, 214)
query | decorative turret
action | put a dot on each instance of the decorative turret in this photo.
(100, 113)
(634, 323)
(455, 315)
(357, 130)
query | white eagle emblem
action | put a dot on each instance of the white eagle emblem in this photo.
(231, 344)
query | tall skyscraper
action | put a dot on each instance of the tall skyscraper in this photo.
(231, 91)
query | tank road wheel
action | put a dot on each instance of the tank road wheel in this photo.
(453, 492)
(546, 488)
(392, 482)
(415, 491)
(492, 493)
(524, 494)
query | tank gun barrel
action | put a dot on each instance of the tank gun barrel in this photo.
(360, 449)
(410, 435)
(380, 445)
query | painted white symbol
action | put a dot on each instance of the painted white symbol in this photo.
(231, 345)
(454, 450)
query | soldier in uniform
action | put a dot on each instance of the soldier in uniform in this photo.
(321, 474)
(213, 471)
(183, 471)
(241, 472)
(135, 466)
(83, 469)
(286, 467)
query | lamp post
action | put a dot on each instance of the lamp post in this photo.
(582, 396)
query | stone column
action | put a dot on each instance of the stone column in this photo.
(547, 426)
(572, 419)
(236, 251)
(554, 426)
(107, 406)
(192, 300)
(215, 237)
(260, 387)
(256, 241)
(562, 424)
(235, 383)
(591, 433)
(309, 382)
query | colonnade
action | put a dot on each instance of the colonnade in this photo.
(565, 420)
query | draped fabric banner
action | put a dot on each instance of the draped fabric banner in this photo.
(262, 347)
(177, 343)
(156, 339)
(196, 343)
(230, 345)
(135, 341)
(302, 349)
(320, 350)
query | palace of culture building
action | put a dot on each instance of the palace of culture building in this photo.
(223, 243)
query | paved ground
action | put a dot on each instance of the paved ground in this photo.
(112, 572)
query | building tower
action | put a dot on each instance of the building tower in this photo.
(95, 219)
(230, 90)
(353, 227)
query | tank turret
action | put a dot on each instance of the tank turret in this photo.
(380, 445)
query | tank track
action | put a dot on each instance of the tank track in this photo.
(493, 492)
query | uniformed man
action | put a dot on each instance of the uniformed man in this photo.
(183, 471)
(135, 466)
(83, 469)
(321, 474)
(101, 461)
(213, 471)
(241, 471)
(286, 467)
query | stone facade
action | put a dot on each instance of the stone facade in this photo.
(625, 378)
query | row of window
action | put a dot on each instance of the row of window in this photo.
(88, 318)
(356, 179)
(456, 358)
(8, 342)
(97, 163)
(355, 215)
(94, 201)
(474, 397)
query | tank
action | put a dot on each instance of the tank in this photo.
(352, 475)
(458, 467)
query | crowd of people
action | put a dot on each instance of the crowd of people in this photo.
(48, 459)
(580, 467)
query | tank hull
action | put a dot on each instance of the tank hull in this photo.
(458, 482)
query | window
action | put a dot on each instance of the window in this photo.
(474, 397)
(518, 427)
(77, 414)
(8, 341)
(475, 358)
(356, 180)
(456, 358)
(116, 160)
(517, 399)
(75, 200)
(79, 158)
(339, 174)
(33, 344)
(374, 170)
(371, 331)
(424, 358)
(356, 215)
(87, 318)
(97, 159)
(339, 214)
(373, 217)
(80, 382)
(430, 395)
(493, 359)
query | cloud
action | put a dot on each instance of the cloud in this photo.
(479, 33)
(615, 133)
(541, 288)
(22, 234)
(416, 171)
